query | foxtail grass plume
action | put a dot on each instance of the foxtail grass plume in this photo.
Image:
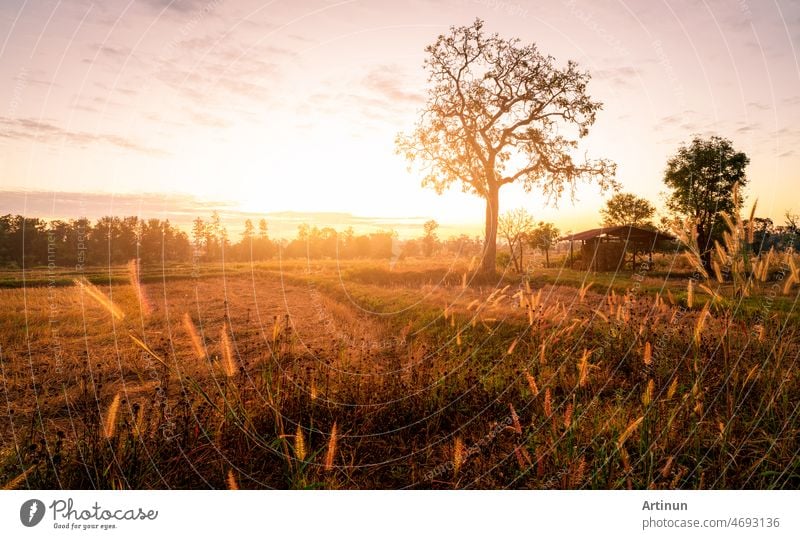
(583, 290)
(99, 297)
(515, 419)
(583, 368)
(144, 346)
(299, 444)
(751, 222)
(231, 481)
(690, 294)
(135, 279)
(548, 403)
(632, 426)
(578, 473)
(228, 361)
(568, 416)
(701, 324)
(532, 383)
(647, 357)
(330, 454)
(512, 347)
(458, 455)
(647, 396)
(717, 271)
(110, 423)
(18, 480)
(673, 387)
(194, 337)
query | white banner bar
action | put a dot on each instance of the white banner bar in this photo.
(402, 514)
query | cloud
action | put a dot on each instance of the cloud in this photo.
(39, 131)
(679, 120)
(207, 70)
(759, 106)
(381, 94)
(179, 208)
(183, 6)
(209, 120)
(623, 76)
(387, 81)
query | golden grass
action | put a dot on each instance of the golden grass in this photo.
(229, 364)
(110, 422)
(330, 454)
(194, 337)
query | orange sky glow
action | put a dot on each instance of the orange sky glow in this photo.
(169, 108)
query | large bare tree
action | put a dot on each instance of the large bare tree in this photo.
(500, 112)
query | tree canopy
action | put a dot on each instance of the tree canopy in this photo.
(702, 176)
(499, 112)
(626, 209)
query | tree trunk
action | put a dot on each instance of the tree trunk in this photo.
(703, 241)
(490, 237)
(547, 258)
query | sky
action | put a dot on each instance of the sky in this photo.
(262, 107)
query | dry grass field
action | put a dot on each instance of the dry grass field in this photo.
(315, 375)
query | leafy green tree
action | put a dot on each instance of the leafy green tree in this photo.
(544, 237)
(702, 176)
(626, 209)
(429, 240)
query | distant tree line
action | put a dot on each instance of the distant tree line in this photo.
(31, 241)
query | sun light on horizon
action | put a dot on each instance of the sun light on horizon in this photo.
(283, 107)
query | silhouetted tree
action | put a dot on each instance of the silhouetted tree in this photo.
(626, 209)
(500, 112)
(429, 240)
(514, 226)
(702, 176)
(544, 237)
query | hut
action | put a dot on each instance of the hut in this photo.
(605, 249)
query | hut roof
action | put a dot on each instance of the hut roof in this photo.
(627, 233)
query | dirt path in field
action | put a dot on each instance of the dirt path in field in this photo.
(61, 347)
